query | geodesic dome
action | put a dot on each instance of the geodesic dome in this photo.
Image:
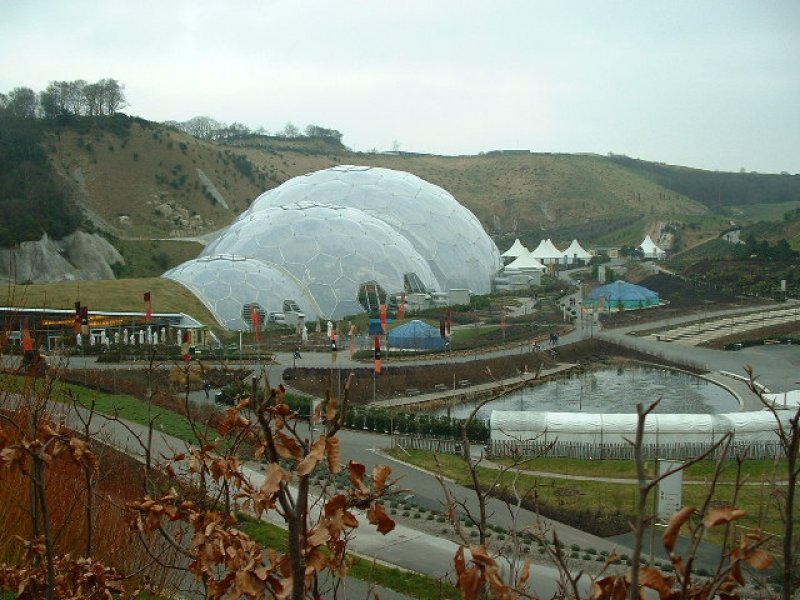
(334, 231)
(228, 285)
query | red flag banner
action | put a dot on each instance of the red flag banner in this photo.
(443, 327)
(148, 308)
(76, 325)
(255, 323)
(378, 362)
(185, 347)
(85, 320)
(449, 320)
(27, 340)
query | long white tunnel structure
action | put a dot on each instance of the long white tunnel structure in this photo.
(595, 435)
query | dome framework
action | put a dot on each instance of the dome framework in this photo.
(318, 238)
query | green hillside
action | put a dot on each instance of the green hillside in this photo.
(138, 180)
(149, 180)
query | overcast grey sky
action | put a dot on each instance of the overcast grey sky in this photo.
(712, 84)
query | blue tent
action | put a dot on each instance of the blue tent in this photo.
(415, 335)
(630, 295)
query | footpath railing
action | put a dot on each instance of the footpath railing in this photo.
(429, 444)
(591, 451)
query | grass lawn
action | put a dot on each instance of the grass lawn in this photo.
(754, 470)
(756, 500)
(124, 406)
(111, 295)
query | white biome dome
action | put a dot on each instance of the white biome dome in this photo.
(330, 233)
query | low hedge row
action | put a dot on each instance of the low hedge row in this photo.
(383, 421)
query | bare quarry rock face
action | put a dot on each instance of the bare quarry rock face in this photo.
(181, 221)
(78, 256)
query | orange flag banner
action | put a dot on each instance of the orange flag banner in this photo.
(401, 310)
(383, 315)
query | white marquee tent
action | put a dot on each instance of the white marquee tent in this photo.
(524, 263)
(576, 252)
(517, 249)
(547, 253)
(650, 249)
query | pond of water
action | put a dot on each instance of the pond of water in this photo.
(614, 391)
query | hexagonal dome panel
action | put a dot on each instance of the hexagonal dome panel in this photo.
(226, 283)
(445, 233)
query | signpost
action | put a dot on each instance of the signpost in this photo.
(667, 498)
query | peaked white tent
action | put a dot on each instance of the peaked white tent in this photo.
(650, 250)
(576, 252)
(547, 253)
(517, 248)
(525, 262)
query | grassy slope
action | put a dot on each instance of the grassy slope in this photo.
(132, 175)
(150, 258)
(121, 294)
(513, 195)
(530, 195)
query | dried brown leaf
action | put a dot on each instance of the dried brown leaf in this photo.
(330, 409)
(334, 455)
(379, 476)
(377, 516)
(481, 556)
(721, 515)
(470, 583)
(275, 475)
(613, 587)
(459, 561)
(357, 472)
(653, 578)
(675, 523)
(525, 575)
(315, 454)
(759, 559)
